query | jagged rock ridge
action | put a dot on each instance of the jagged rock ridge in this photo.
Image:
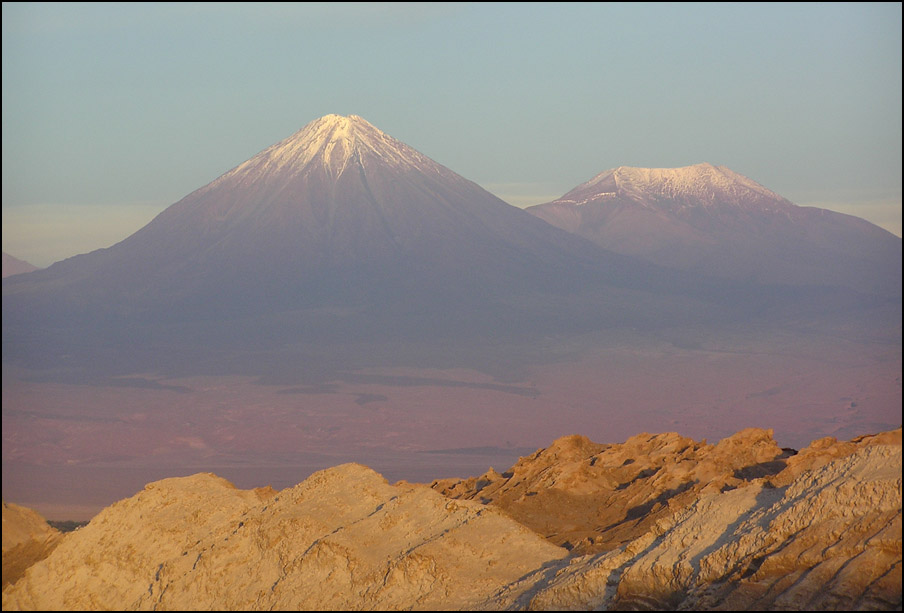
(591, 497)
(822, 530)
(829, 540)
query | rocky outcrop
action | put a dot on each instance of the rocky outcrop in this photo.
(740, 525)
(590, 497)
(27, 538)
(342, 539)
(830, 540)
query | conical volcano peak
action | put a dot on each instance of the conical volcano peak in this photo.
(338, 129)
(339, 214)
(344, 121)
(332, 143)
(697, 184)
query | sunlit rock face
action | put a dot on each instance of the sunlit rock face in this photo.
(828, 538)
(27, 538)
(342, 539)
(591, 497)
(770, 529)
(713, 220)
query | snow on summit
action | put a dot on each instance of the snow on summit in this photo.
(710, 219)
(699, 184)
(333, 141)
(338, 213)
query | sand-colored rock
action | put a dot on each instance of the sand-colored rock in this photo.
(830, 540)
(591, 497)
(740, 525)
(342, 539)
(822, 451)
(27, 538)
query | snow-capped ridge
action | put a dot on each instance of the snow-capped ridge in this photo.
(709, 218)
(698, 184)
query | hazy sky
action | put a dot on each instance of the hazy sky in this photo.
(113, 112)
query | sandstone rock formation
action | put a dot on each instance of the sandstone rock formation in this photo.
(27, 538)
(740, 525)
(830, 540)
(590, 497)
(342, 539)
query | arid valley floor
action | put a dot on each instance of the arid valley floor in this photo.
(70, 450)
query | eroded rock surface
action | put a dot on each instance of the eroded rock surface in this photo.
(342, 539)
(27, 538)
(829, 540)
(740, 525)
(591, 497)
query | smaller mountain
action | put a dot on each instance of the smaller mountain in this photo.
(15, 266)
(712, 220)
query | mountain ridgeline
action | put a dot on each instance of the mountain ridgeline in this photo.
(342, 233)
(712, 220)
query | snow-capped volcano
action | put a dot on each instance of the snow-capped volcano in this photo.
(710, 219)
(335, 143)
(339, 194)
(341, 235)
(338, 214)
(700, 184)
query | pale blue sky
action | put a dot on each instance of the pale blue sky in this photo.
(112, 112)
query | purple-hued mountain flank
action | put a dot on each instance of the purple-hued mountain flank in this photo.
(342, 233)
(15, 266)
(712, 220)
